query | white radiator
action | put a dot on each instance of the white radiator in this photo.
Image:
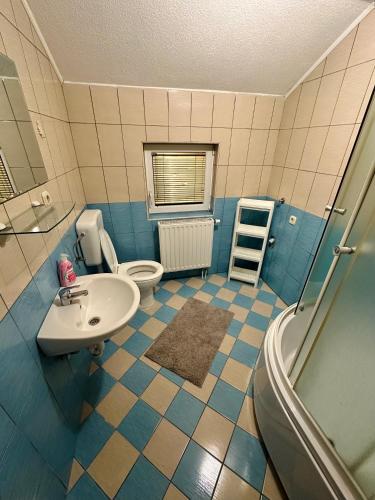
(185, 244)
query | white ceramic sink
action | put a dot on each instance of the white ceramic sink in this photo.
(112, 299)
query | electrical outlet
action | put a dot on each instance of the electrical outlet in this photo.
(292, 220)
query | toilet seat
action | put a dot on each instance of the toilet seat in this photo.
(140, 271)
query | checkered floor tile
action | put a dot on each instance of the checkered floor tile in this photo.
(148, 433)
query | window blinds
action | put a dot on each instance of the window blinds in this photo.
(179, 178)
(7, 187)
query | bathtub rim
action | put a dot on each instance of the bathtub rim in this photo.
(328, 461)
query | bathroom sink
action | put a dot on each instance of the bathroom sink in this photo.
(110, 304)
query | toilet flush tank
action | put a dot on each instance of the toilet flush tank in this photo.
(88, 225)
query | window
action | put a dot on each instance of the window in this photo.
(179, 178)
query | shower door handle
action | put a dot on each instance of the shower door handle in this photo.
(340, 211)
(337, 250)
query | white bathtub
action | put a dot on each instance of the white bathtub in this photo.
(306, 463)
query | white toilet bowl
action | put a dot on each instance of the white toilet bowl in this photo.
(146, 274)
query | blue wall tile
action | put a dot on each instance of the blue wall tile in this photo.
(42, 396)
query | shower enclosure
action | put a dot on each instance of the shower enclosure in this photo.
(315, 379)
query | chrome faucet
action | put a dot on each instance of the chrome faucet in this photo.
(66, 295)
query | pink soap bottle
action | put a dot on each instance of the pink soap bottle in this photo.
(67, 276)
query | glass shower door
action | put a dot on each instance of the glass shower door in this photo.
(337, 380)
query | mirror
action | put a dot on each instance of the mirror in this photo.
(21, 163)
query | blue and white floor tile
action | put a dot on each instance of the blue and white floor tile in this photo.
(148, 433)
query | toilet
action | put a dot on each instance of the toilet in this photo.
(96, 243)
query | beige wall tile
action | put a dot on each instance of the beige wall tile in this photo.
(93, 184)
(213, 433)
(179, 108)
(282, 147)
(179, 134)
(201, 109)
(257, 147)
(111, 145)
(34, 251)
(156, 134)
(134, 136)
(235, 178)
(243, 110)
(290, 108)
(306, 103)
(296, 145)
(317, 72)
(313, 148)
(132, 109)
(78, 103)
(277, 112)
(334, 149)
(220, 180)
(349, 149)
(263, 112)
(271, 147)
(327, 96)
(136, 183)
(287, 185)
(265, 179)
(221, 136)
(320, 193)
(302, 189)
(113, 463)
(166, 447)
(364, 44)
(105, 102)
(352, 92)
(366, 99)
(223, 110)
(229, 482)
(238, 146)
(14, 272)
(86, 145)
(339, 57)
(275, 181)
(251, 181)
(200, 134)
(156, 107)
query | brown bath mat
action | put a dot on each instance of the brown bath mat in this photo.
(188, 345)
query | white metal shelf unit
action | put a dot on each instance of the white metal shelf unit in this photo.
(250, 235)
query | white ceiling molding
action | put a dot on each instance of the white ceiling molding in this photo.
(331, 47)
(252, 46)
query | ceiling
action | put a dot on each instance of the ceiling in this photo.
(239, 45)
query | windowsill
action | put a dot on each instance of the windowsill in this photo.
(180, 215)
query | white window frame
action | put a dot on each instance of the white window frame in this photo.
(149, 149)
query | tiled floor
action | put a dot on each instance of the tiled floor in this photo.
(147, 433)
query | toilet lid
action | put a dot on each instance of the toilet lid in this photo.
(108, 250)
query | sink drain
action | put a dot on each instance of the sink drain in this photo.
(94, 321)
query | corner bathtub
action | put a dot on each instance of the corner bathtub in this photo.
(307, 465)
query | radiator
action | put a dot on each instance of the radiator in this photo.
(185, 244)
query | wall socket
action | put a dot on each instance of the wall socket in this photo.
(292, 220)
